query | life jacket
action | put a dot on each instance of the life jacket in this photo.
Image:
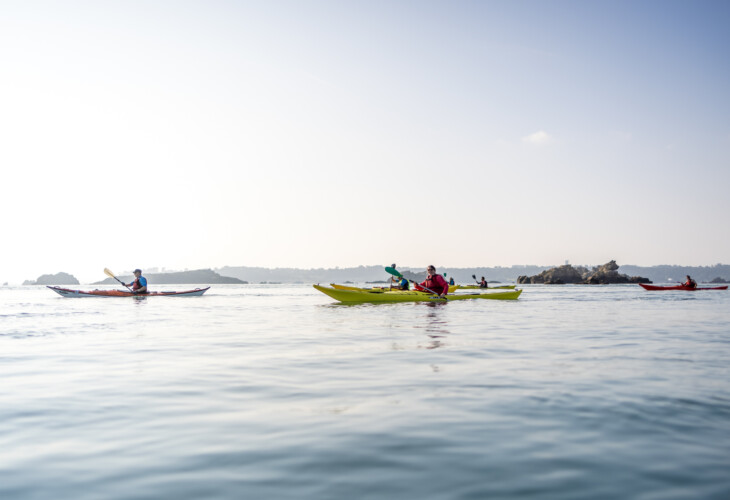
(690, 283)
(404, 284)
(136, 285)
(436, 285)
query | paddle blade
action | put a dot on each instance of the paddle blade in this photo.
(474, 276)
(109, 273)
(394, 272)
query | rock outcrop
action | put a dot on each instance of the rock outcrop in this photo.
(600, 275)
(719, 280)
(54, 279)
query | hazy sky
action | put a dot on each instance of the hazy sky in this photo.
(189, 134)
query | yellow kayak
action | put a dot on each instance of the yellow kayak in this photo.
(477, 287)
(355, 296)
(378, 289)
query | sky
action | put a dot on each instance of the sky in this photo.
(201, 134)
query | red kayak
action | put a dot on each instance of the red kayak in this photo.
(679, 287)
(65, 292)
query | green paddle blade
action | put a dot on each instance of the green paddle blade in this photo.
(393, 271)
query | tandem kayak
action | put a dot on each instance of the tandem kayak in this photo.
(680, 287)
(355, 296)
(477, 287)
(65, 292)
(378, 289)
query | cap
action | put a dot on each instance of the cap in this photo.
(137, 270)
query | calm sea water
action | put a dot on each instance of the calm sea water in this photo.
(277, 392)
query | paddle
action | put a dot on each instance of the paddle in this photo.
(475, 279)
(111, 275)
(397, 273)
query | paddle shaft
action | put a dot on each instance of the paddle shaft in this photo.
(111, 274)
(395, 272)
(427, 289)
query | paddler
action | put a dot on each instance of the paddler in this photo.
(139, 285)
(402, 284)
(483, 283)
(434, 282)
(690, 283)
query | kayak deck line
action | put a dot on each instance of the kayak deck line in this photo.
(380, 289)
(66, 292)
(355, 296)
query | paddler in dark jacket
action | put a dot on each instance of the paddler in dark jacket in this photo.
(139, 285)
(690, 283)
(434, 282)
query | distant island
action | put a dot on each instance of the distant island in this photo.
(362, 274)
(53, 279)
(600, 275)
(196, 277)
(376, 273)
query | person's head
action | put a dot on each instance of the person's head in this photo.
(688, 277)
(138, 272)
(482, 278)
(431, 270)
(393, 266)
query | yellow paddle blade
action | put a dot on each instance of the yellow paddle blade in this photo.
(109, 273)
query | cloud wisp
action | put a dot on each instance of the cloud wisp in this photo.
(539, 138)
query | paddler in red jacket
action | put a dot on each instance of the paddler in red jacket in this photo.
(434, 282)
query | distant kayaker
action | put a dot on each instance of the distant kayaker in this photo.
(434, 282)
(690, 283)
(451, 281)
(139, 285)
(483, 283)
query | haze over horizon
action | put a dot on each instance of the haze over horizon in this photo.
(323, 134)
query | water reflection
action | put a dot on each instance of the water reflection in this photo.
(435, 325)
